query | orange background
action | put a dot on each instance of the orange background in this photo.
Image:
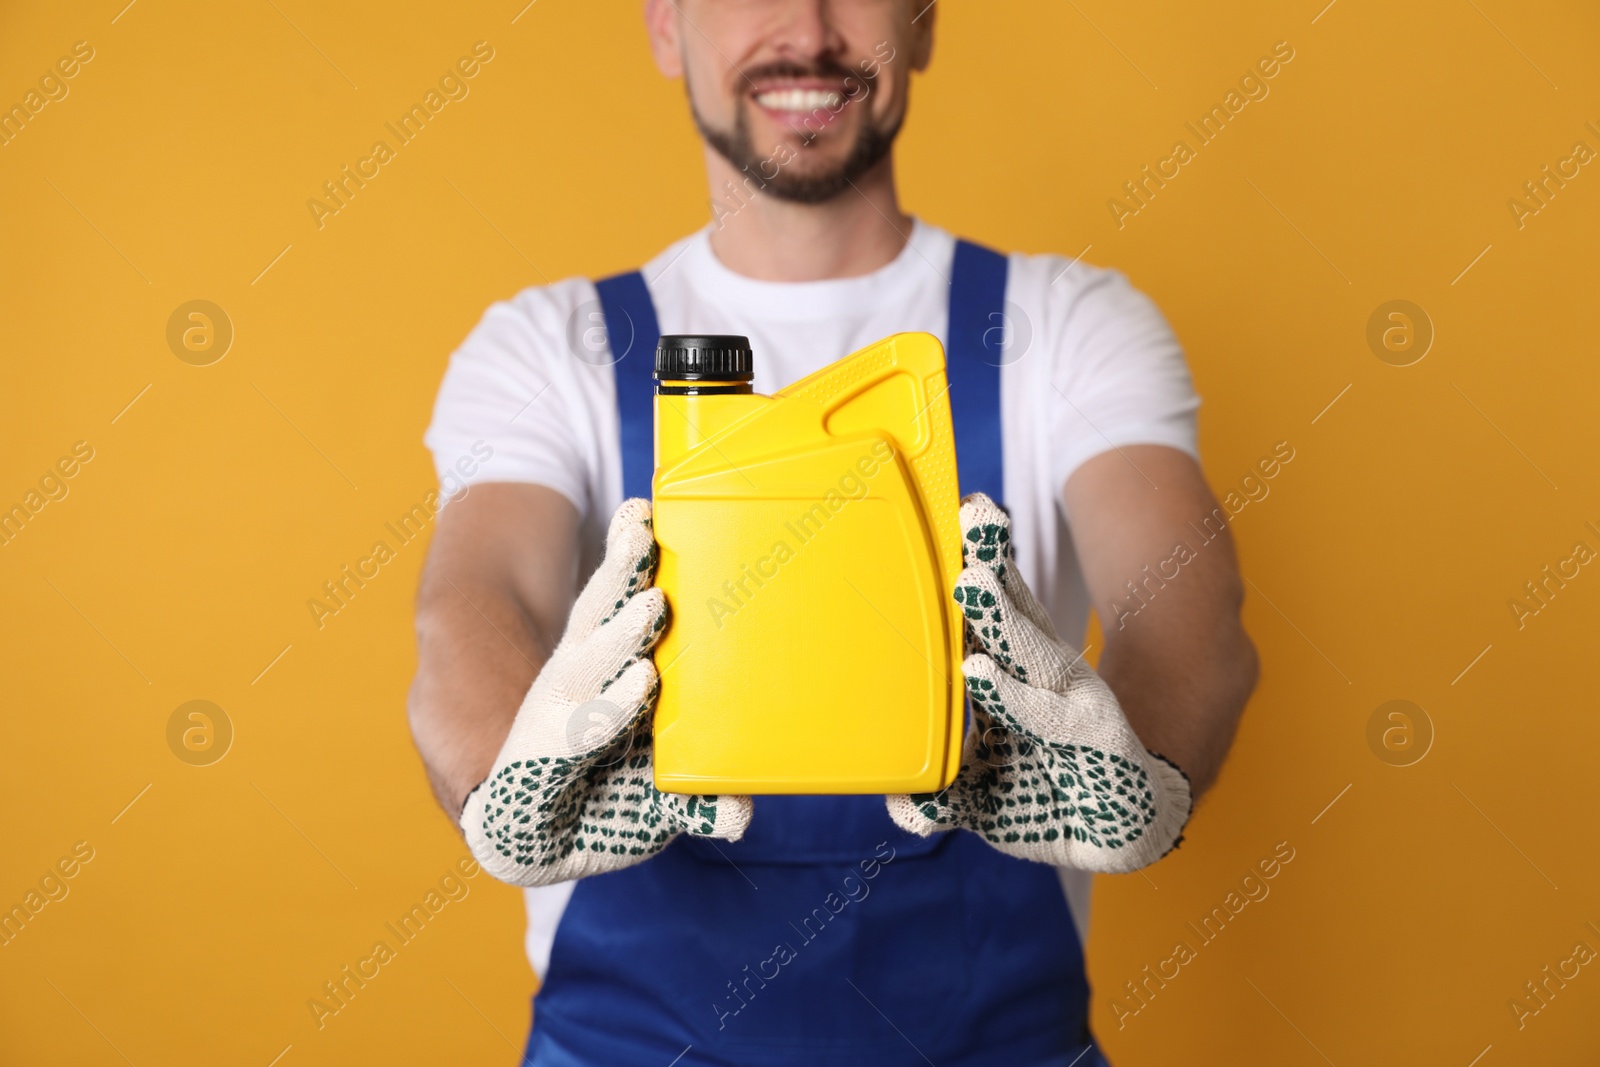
(179, 564)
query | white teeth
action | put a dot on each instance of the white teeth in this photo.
(800, 99)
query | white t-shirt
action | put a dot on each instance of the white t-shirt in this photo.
(1090, 365)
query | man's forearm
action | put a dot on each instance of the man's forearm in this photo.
(495, 588)
(478, 653)
(1176, 655)
(1182, 676)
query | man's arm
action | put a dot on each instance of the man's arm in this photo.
(1176, 655)
(500, 578)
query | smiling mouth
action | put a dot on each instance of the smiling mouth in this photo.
(796, 100)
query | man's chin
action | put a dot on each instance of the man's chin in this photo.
(801, 147)
(817, 188)
(800, 164)
(810, 163)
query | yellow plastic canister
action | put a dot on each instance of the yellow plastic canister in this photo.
(809, 542)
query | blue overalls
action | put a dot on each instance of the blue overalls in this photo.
(827, 936)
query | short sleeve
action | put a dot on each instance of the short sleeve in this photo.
(1118, 376)
(519, 403)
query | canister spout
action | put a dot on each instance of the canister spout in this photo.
(702, 386)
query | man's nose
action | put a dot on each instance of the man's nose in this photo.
(808, 29)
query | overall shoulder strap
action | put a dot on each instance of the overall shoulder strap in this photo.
(632, 332)
(976, 336)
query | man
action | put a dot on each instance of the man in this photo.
(816, 930)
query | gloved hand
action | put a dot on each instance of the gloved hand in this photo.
(571, 793)
(1053, 772)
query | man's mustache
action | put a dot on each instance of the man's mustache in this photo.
(826, 69)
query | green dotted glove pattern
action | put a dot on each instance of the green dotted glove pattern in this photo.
(572, 790)
(1052, 772)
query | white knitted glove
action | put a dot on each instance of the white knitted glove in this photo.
(1053, 772)
(571, 793)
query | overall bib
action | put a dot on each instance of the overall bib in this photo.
(828, 935)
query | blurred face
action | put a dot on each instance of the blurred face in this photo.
(807, 95)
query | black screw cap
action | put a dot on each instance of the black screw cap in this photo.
(683, 357)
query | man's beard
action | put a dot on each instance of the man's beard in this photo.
(738, 148)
